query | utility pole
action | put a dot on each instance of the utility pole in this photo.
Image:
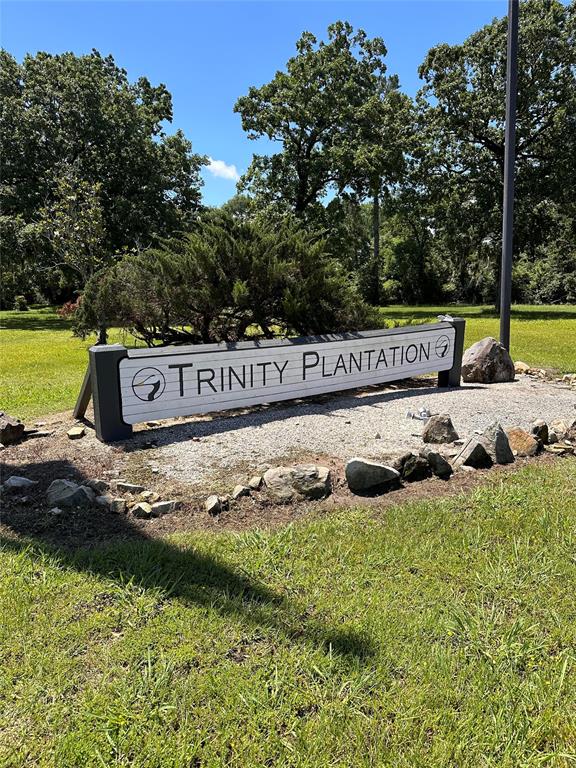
(509, 166)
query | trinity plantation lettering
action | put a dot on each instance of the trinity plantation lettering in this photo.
(203, 379)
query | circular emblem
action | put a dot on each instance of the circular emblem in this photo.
(148, 384)
(442, 346)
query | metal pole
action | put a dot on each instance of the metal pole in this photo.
(509, 163)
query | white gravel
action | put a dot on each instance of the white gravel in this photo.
(345, 425)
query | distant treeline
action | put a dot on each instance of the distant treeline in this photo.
(404, 194)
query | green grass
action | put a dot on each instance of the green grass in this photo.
(440, 633)
(542, 336)
(42, 365)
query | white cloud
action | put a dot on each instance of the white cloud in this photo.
(223, 170)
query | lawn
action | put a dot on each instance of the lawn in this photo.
(441, 633)
(42, 365)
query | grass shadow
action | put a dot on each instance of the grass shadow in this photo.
(112, 546)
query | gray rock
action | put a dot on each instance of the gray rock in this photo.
(118, 506)
(98, 485)
(308, 481)
(552, 436)
(559, 428)
(104, 500)
(65, 493)
(364, 474)
(439, 429)
(255, 482)
(473, 454)
(19, 482)
(142, 510)
(11, 429)
(416, 468)
(129, 487)
(240, 490)
(399, 461)
(539, 429)
(487, 362)
(55, 511)
(213, 505)
(438, 464)
(497, 445)
(163, 508)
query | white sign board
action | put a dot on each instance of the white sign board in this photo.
(180, 381)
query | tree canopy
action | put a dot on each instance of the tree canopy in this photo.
(76, 124)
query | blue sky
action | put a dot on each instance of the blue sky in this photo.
(209, 52)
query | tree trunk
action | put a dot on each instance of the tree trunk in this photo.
(375, 277)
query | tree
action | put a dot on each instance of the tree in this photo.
(79, 117)
(462, 128)
(314, 110)
(227, 279)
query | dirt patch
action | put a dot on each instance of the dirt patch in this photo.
(25, 513)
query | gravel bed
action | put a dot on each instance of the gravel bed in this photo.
(343, 425)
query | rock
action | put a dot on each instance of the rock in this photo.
(65, 493)
(438, 464)
(473, 454)
(11, 429)
(55, 511)
(112, 472)
(364, 474)
(557, 449)
(416, 468)
(104, 501)
(439, 429)
(522, 442)
(98, 485)
(571, 433)
(520, 367)
(213, 505)
(149, 496)
(377, 436)
(309, 481)
(539, 429)
(487, 362)
(255, 483)
(152, 423)
(399, 461)
(76, 433)
(559, 428)
(19, 482)
(163, 508)
(497, 445)
(129, 487)
(240, 490)
(118, 506)
(141, 510)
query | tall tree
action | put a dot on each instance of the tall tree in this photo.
(67, 115)
(314, 110)
(462, 108)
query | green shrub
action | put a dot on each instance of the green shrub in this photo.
(226, 280)
(20, 304)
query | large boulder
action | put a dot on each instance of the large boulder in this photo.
(11, 429)
(497, 445)
(473, 454)
(65, 493)
(308, 481)
(364, 475)
(439, 429)
(487, 362)
(522, 442)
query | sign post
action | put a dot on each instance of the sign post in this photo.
(509, 163)
(137, 385)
